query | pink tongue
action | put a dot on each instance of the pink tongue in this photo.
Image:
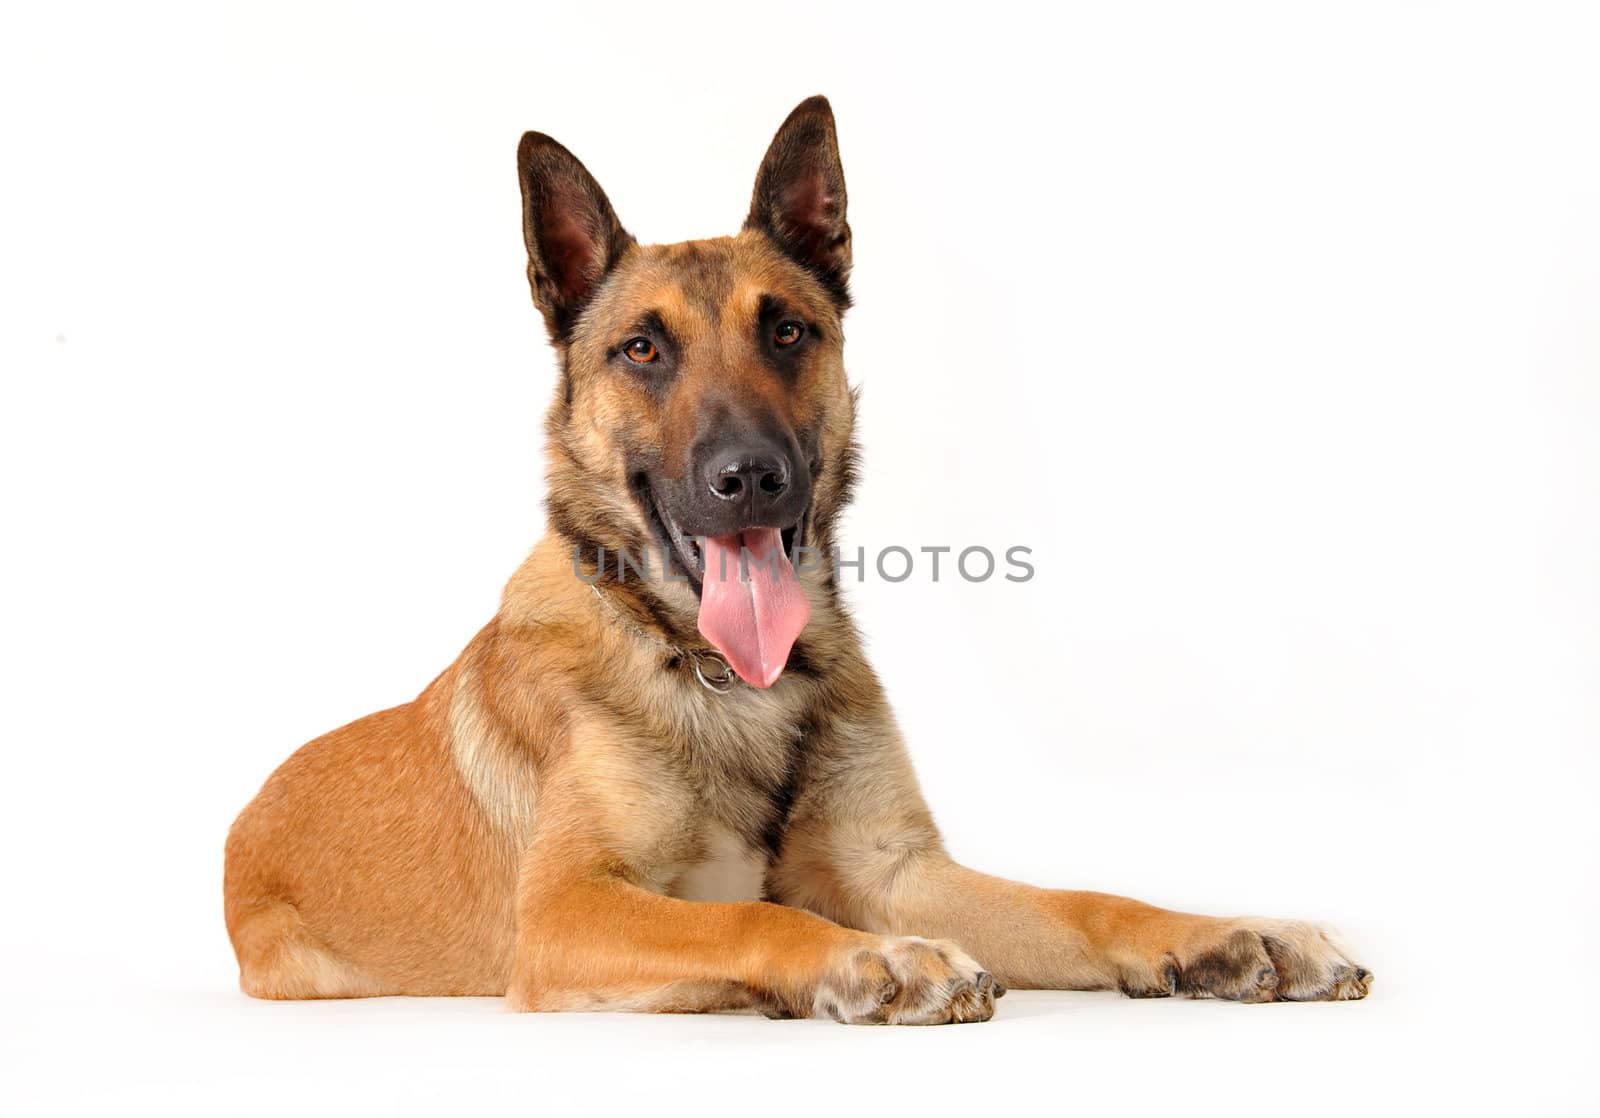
(754, 620)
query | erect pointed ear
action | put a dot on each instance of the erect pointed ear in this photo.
(799, 199)
(573, 235)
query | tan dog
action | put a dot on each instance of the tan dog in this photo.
(586, 810)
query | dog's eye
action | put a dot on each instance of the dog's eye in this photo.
(788, 333)
(641, 351)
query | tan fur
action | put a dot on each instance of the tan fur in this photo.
(567, 817)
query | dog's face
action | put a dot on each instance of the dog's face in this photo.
(703, 390)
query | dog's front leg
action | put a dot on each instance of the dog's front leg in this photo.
(595, 932)
(861, 848)
(604, 944)
(1055, 938)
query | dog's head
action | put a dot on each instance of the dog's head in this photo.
(703, 393)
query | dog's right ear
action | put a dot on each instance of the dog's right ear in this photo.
(572, 233)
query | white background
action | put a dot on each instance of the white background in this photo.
(1274, 331)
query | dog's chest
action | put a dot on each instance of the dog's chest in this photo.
(738, 753)
(730, 870)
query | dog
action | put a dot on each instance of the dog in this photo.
(677, 786)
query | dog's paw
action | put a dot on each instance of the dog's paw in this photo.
(1256, 960)
(907, 981)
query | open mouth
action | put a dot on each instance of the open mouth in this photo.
(687, 549)
(752, 604)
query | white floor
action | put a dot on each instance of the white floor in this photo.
(1493, 1046)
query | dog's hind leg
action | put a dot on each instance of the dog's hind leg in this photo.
(280, 958)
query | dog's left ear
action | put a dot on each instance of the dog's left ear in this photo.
(799, 199)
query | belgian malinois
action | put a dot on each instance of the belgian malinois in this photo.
(684, 790)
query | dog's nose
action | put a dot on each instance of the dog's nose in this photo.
(744, 480)
(754, 476)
